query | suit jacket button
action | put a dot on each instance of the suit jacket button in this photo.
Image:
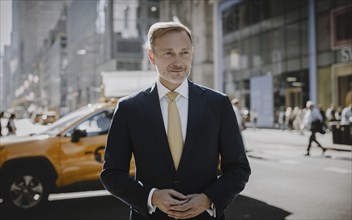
(176, 182)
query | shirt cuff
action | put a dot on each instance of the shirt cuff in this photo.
(151, 207)
(212, 210)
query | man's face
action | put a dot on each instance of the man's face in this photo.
(172, 55)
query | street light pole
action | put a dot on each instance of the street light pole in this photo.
(312, 53)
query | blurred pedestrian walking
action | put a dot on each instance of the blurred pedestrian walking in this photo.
(282, 118)
(330, 113)
(236, 107)
(11, 127)
(1, 116)
(323, 115)
(254, 118)
(346, 115)
(289, 118)
(313, 121)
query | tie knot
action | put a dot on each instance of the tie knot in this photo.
(172, 95)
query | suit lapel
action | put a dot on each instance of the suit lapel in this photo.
(196, 114)
(151, 105)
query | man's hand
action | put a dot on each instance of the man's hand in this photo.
(195, 204)
(164, 199)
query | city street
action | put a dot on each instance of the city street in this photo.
(315, 187)
(284, 184)
(66, 65)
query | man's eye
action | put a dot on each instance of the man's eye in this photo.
(168, 53)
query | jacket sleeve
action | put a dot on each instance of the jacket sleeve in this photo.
(115, 175)
(235, 169)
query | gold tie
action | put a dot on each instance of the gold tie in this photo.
(174, 129)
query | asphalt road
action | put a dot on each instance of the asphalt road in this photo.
(314, 187)
(284, 184)
(107, 207)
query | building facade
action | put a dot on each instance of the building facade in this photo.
(284, 53)
(59, 49)
(198, 16)
(52, 64)
(104, 35)
(32, 21)
(267, 53)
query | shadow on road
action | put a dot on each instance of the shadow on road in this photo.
(97, 208)
(245, 208)
(108, 207)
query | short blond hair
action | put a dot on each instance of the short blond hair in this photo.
(160, 28)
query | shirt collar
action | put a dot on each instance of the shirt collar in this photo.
(182, 89)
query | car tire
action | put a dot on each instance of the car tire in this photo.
(26, 190)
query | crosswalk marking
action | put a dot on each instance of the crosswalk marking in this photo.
(338, 170)
(76, 195)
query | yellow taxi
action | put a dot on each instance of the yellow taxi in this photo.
(67, 156)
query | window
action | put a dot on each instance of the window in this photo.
(255, 49)
(341, 27)
(266, 48)
(126, 11)
(97, 125)
(278, 44)
(129, 47)
(230, 19)
(292, 40)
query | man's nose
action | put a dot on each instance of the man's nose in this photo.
(177, 61)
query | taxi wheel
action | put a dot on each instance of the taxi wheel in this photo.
(25, 190)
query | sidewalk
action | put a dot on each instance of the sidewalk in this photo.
(290, 138)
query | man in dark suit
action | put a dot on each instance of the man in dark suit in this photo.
(177, 132)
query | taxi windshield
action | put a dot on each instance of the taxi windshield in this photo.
(68, 120)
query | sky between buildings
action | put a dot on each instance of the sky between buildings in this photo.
(5, 23)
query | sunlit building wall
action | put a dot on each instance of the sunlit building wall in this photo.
(104, 35)
(198, 16)
(32, 21)
(53, 62)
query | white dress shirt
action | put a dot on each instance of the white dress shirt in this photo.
(182, 106)
(310, 116)
(181, 102)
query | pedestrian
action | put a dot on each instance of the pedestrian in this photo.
(177, 131)
(338, 113)
(346, 115)
(11, 127)
(282, 118)
(330, 113)
(296, 118)
(1, 116)
(313, 121)
(288, 118)
(254, 118)
(236, 107)
(323, 115)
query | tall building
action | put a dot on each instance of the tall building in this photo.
(284, 53)
(59, 49)
(198, 16)
(52, 64)
(32, 21)
(104, 35)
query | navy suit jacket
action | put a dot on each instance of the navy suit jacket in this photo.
(212, 132)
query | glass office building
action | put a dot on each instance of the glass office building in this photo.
(284, 53)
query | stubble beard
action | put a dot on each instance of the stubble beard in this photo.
(176, 81)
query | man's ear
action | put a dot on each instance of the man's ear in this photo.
(151, 56)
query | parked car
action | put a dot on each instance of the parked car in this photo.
(66, 157)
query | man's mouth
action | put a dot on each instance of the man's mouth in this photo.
(176, 70)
